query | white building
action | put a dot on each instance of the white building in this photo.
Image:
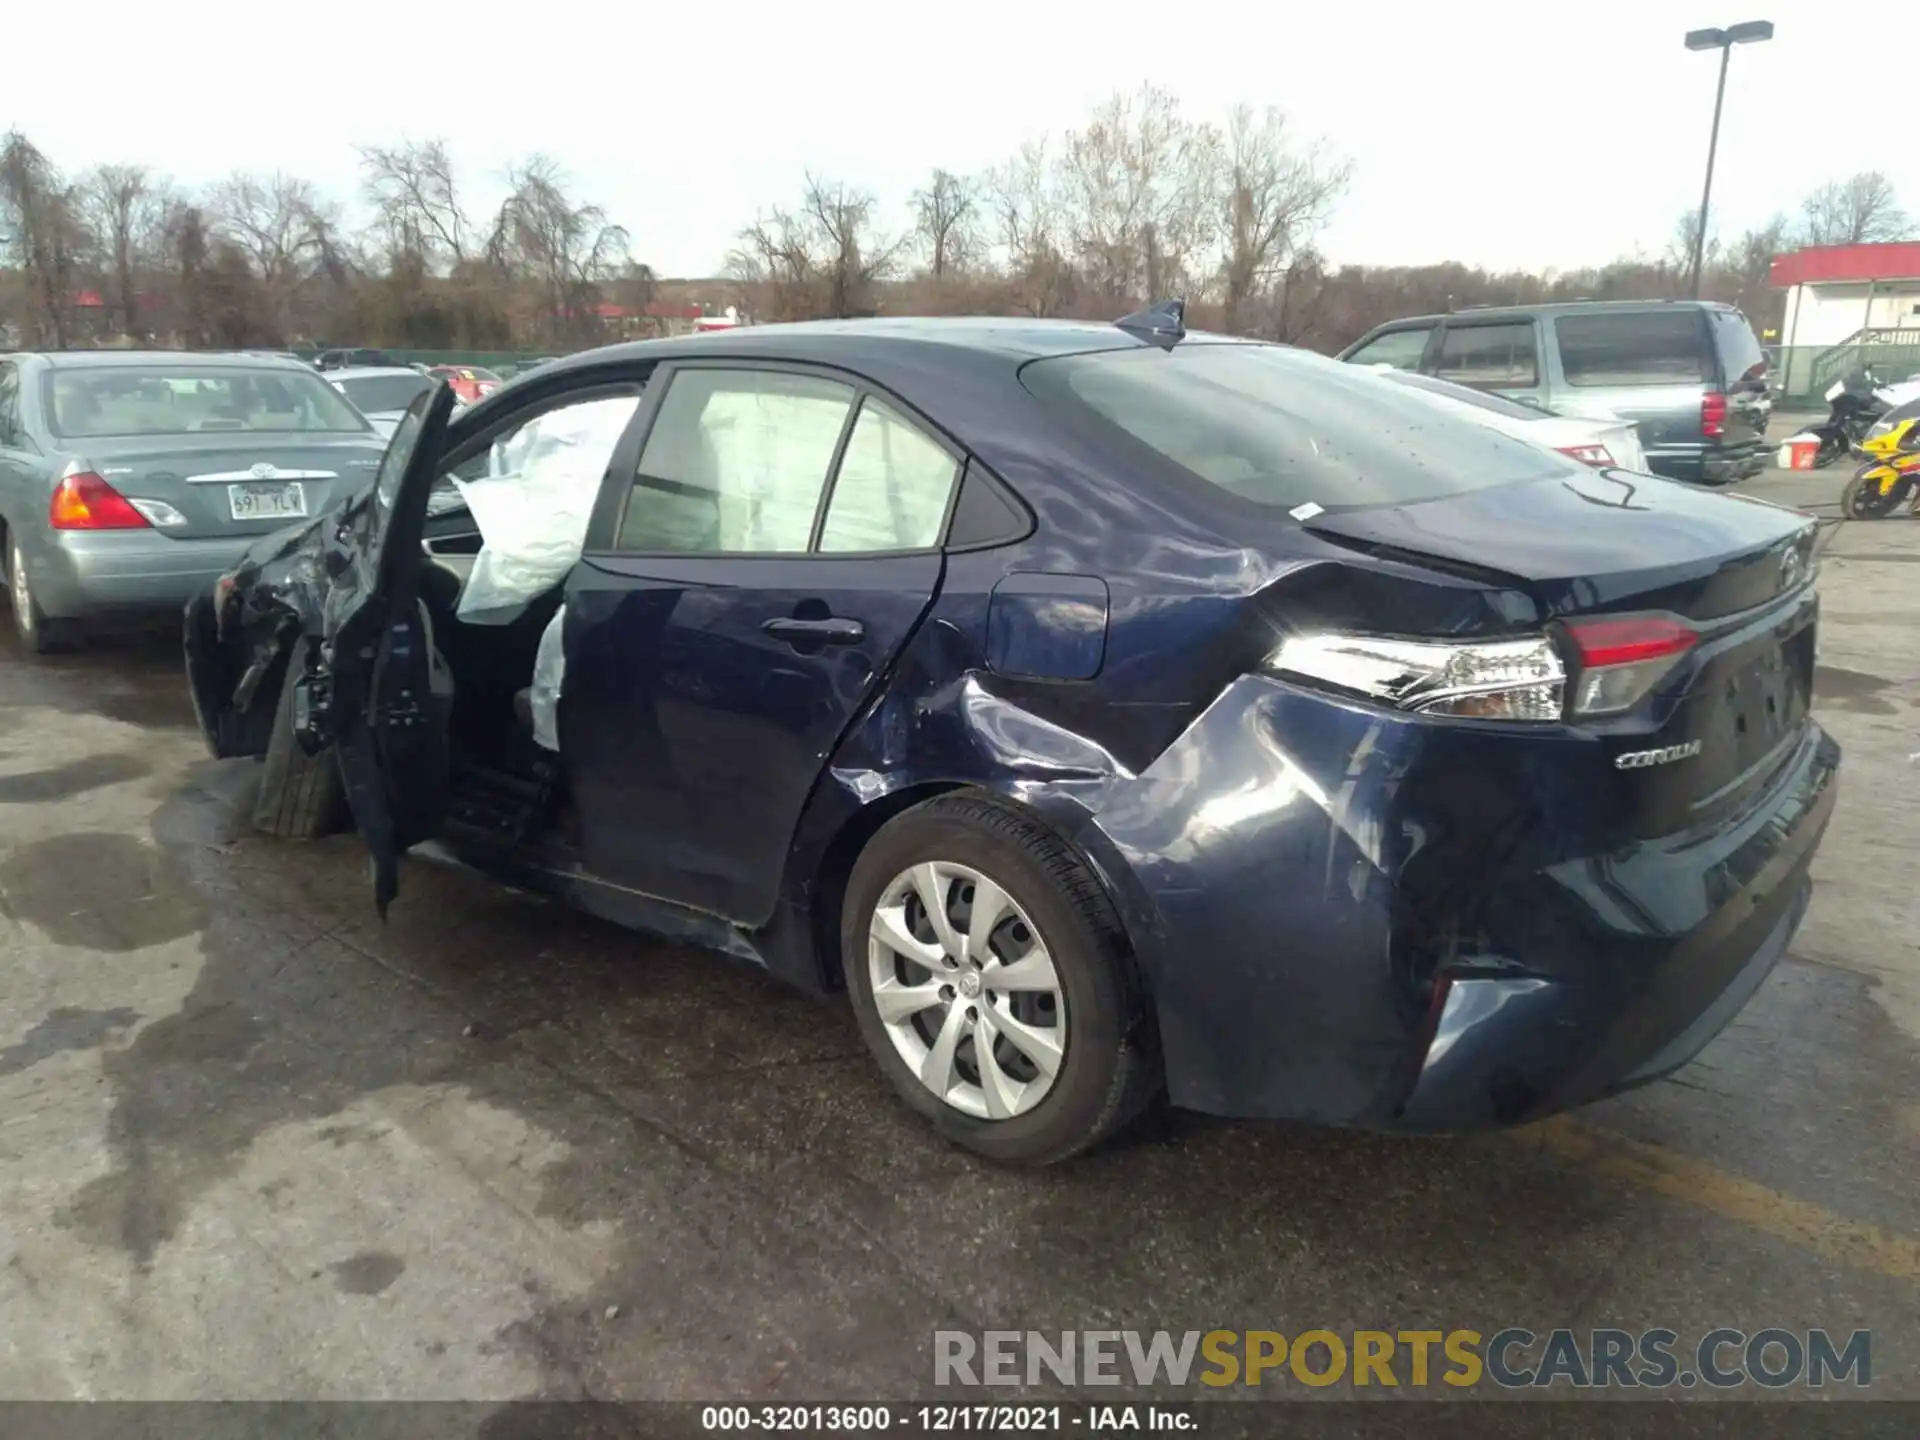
(1835, 291)
(1845, 295)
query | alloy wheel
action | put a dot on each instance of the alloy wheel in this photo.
(966, 989)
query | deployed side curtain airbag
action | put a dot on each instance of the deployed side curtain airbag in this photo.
(549, 668)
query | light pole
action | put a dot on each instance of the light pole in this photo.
(1723, 41)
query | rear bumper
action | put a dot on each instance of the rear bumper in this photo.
(80, 575)
(1364, 919)
(1699, 465)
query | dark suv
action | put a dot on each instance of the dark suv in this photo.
(1690, 374)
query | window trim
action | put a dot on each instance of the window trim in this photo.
(1530, 323)
(20, 441)
(604, 541)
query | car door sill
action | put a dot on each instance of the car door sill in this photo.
(553, 869)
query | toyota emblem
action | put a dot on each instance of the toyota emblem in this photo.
(265, 470)
(1791, 567)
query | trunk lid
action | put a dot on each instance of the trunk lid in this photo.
(1604, 544)
(240, 484)
(1595, 542)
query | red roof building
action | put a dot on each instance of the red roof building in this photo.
(1836, 291)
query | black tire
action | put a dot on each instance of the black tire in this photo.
(301, 795)
(38, 635)
(1857, 504)
(1110, 1070)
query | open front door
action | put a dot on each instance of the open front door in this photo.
(378, 653)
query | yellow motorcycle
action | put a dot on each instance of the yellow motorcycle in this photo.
(1891, 476)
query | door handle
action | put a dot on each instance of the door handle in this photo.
(834, 630)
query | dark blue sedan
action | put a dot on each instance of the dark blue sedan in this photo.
(1109, 710)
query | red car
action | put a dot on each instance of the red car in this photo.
(469, 382)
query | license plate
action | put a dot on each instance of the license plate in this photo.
(1772, 701)
(268, 502)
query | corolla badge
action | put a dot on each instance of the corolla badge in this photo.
(1642, 759)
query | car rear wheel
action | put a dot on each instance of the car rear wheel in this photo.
(38, 635)
(301, 796)
(992, 982)
(1868, 498)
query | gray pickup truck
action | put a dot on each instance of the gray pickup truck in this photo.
(1689, 374)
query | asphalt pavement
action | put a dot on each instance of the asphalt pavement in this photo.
(256, 1144)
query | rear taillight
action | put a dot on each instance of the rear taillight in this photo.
(84, 501)
(1622, 660)
(1713, 415)
(1596, 455)
(1475, 679)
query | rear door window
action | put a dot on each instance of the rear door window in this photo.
(1644, 347)
(1489, 357)
(892, 487)
(735, 463)
(1401, 349)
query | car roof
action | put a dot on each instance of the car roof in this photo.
(362, 372)
(1014, 339)
(167, 359)
(1555, 308)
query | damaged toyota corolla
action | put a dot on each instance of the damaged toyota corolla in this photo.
(1111, 711)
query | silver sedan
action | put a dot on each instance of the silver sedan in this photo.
(131, 480)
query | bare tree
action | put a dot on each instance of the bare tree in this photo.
(1275, 196)
(125, 209)
(776, 268)
(218, 298)
(276, 219)
(823, 259)
(945, 215)
(855, 256)
(39, 212)
(1142, 179)
(416, 200)
(1680, 243)
(1859, 210)
(568, 251)
(1030, 221)
(1750, 258)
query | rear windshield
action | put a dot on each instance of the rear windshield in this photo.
(373, 394)
(1644, 347)
(180, 400)
(1282, 427)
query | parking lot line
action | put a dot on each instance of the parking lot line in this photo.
(1745, 1202)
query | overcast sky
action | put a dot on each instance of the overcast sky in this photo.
(1552, 133)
